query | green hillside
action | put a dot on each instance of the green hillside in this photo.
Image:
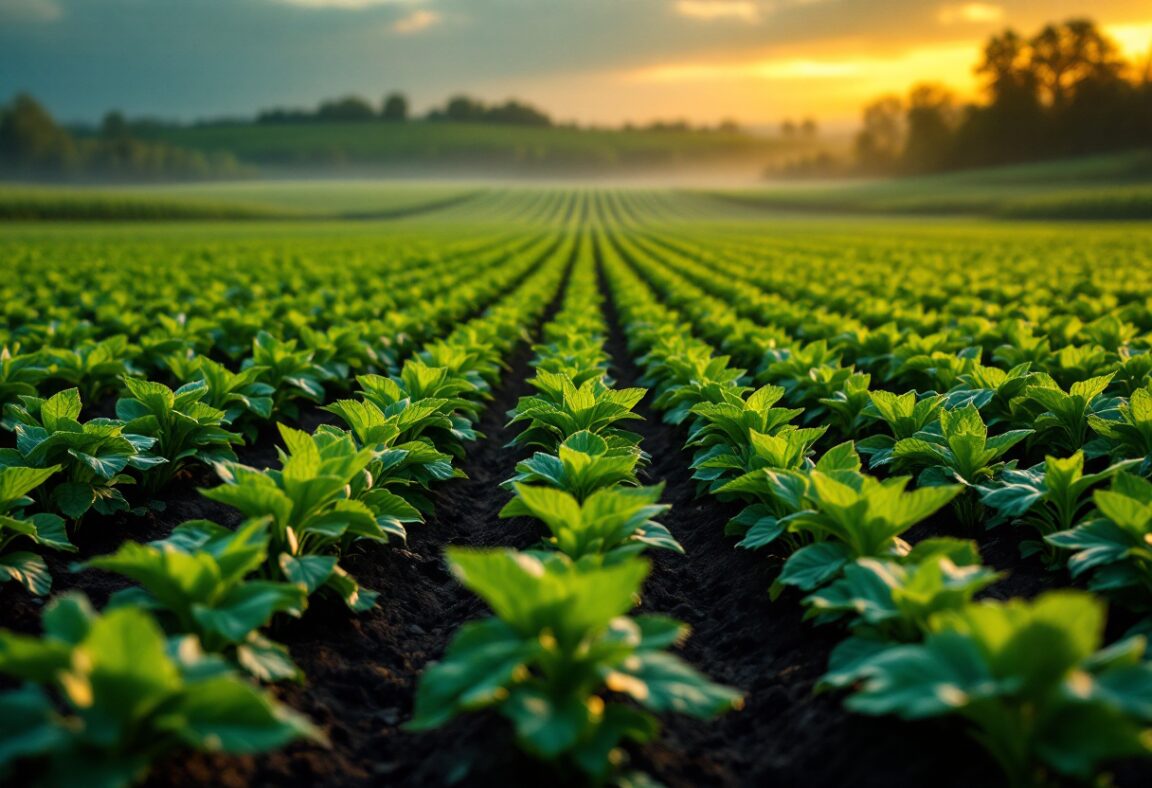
(1100, 187)
(478, 146)
(231, 200)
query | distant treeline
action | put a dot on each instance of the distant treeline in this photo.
(33, 145)
(1065, 91)
(395, 108)
(463, 133)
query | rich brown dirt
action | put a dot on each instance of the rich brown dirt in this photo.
(785, 735)
(363, 670)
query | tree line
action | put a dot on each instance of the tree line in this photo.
(1065, 91)
(395, 108)
(33, 144)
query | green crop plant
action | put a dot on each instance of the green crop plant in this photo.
(562, 662)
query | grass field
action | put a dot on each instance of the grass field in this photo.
(1110, 187)
(570, 485)
(298, 200)
(486, 148)
(1116, 187)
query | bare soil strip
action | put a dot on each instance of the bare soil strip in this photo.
(784, 736)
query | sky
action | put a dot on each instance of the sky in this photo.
(592, 61)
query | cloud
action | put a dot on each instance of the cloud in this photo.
(30, 10)
(970, 13)
(350, 5)
(709, 10)
(856, 74)
(760, 69)
(416, 21)
(1135, 40)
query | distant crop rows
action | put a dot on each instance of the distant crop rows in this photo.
(881, 411)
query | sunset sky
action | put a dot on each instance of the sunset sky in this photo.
(602, 61)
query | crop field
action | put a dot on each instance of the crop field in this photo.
(298, 200)
(1116, 186)
(569, 486)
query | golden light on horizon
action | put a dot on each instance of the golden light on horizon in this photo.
(973, 13)
(842, 76)
(1135, 40)
(834, 84)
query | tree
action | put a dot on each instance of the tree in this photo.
(788, 129)
(516, 113)
(932, 118)
(346, 109)
(395, 108)
(808, 129)
(880, 143)
(31, 141)
(464, 109)
(1007, 65)
(1064, 91)
(114, 126)
(1068, 55)
(1013, 125)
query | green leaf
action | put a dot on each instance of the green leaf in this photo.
(74, 499)
(946, 673)
(248, 607)
(474, 673)
(27, 569)
(52, 532)
(225, 714)
(61, 409)
(547, 725)
(529, 596)
(28, 726)
(356, 597)
(763, 533)
(848, 660)
(310, 572)
(663, 682)
(16, 482)
(556, 508)
(266, 660)
(813, 565)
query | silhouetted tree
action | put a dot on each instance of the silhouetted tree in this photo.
(395, 108)
(1067, 55)
(114, 126)
(285, 115)
(346, 109)
(31, 141)
(1064, 91)
(464, 109)
(880, 143)
(1013, 125)
(931, 119)
(516, 113)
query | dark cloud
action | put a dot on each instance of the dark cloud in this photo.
(185, 58)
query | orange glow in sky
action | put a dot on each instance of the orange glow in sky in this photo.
(837, 83)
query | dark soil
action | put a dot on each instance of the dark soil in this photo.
(785, 735)
(362, 671)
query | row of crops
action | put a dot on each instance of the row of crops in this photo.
(940, 444)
